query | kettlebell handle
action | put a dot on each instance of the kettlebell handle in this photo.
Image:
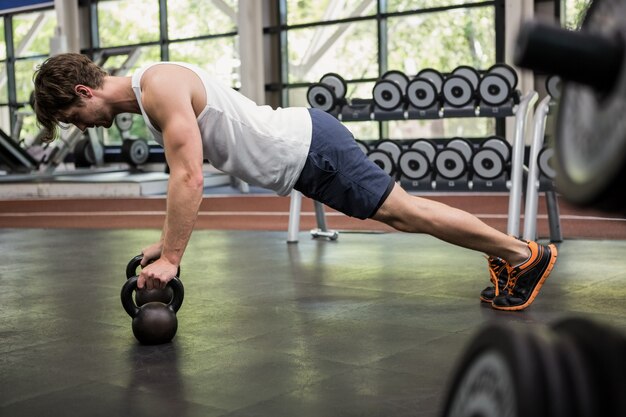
(130, 285)
(133, 264)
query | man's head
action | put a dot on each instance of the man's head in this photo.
(62, 83)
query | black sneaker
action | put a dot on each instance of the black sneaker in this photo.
(497, 274)
(525, 280)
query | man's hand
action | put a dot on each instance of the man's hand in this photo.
(157, 274)
(150, 253)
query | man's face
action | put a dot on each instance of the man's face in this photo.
(90, 114)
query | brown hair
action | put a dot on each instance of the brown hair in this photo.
(55, 80)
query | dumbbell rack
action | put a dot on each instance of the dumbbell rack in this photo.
(519, 107)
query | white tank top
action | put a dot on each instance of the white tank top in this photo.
(258, 144)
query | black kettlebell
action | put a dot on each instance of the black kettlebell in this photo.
(144, 295)
(154, 322)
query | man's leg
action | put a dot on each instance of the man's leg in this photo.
(413, 214)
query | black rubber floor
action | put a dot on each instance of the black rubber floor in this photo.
(369, 325)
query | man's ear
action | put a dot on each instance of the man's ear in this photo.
(83, 91)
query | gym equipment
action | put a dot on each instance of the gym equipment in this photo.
(507, 71)
(414, 164)
(145, 295)
(393, 148)
(422, 93)
(468, 72)
(575, 367)
(328, 93)
(397, 77)
(500, 145)
(389, 92)
(488, 164)
(383, 159)
(433, 76)
(457, 91)
(135, 152)
(546, 162)
(451, 164)
(336, 83)
(84, 155)
(497, 85)
(590, 140)
(553, 86)
(124, 121)
(321, 96)
(155, 322)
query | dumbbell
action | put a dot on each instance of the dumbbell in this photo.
(145, 295)
(415, 163)
(545, 162)
(490, 161)
(389, 92)
(393, 148)
(328, 93)
(497, 85)
(384, 160)
(452, 162)
(459, 89)
(553, 86)
(424, 90)
(575, 367)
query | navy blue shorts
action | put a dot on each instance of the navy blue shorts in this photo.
(337, 172)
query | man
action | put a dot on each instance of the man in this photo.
(195, 118)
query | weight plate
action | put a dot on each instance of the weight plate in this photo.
(468, 72)
(387, 94)
(494, 89)
(383, 160)
(577, 376)
(604, 351)
(390, 146)
(590, 140)
(545, 161)
(457, 91)
(507, 71)
(496, 376)
(421, 93)
(321, 96)
(398, 77)
(426, 146)
(124, 121)
(433, 75)
(553, 86)
(363, 146)
(551, 386)
(450, 163)
(336, 82)
(84, 156)
(500, 145)
(135, 151)
(487, 163)
(463, 146)
(414, 164)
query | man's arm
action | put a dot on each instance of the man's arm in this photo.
(168, 102)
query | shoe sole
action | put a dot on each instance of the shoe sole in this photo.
(530, 300)
(485, 300)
